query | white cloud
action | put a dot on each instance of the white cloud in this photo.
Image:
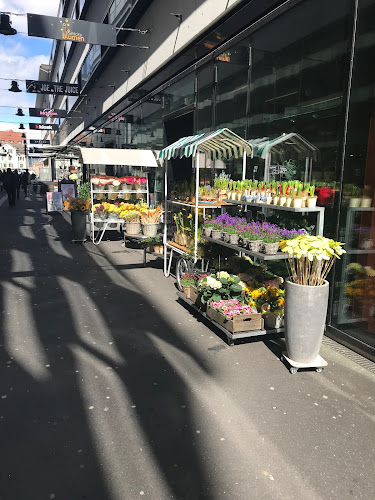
(44, 7)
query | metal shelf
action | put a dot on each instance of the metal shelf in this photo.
(258, 255)
(107, 191)
(231, 336)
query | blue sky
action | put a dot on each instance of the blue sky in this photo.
(20, 58)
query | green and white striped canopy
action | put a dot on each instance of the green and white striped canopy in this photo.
(216, 145)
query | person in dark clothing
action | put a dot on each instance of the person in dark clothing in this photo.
(10, 185)
(25, 181)
(18, 186)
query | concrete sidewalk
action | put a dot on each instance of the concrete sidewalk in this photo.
(111, 389)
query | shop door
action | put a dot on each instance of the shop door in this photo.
(176, 128)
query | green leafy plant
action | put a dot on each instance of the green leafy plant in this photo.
(84, 191)
(221, 286)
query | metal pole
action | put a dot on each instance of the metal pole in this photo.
(244, 165)
(165, 215)
(196, 208)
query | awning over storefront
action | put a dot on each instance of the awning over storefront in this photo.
(218, 144)
(131, 157)
(291, 142)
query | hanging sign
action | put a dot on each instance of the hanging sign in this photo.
(48, 112)
(40, 87)
(72, 30)
(42, 126)
(40, 141)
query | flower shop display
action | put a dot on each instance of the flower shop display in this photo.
(189, 283)
(219, 286)
(310, 259)
(234, 315)
(78, 207)
(150, 219)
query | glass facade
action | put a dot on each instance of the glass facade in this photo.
(295, 73)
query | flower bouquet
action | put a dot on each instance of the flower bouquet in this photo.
(150, 219)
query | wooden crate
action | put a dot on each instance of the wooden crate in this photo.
(241, 323)
(191, 293)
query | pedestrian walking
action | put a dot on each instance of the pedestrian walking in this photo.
(25, 181)
(11, 181)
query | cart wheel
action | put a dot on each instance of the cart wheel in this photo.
(318, 370)
(282, 359)
(293, 370)
(181, 268)
(231, 343)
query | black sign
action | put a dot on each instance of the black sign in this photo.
(40, 141)
(72, 30)
(43, 126)
(40, 87)
(48, 112)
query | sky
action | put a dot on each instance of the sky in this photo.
(20, 58)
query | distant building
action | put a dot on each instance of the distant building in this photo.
(11, 158)
(15, 139)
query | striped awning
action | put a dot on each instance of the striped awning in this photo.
(222, 143)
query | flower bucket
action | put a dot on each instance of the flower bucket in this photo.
(273, 320)
(132, 228)
(207, 231)
(150, 229)
(233, 239)
(78, 226)
(305, 318)
(271, 248)
(216, 234)
(255, 246)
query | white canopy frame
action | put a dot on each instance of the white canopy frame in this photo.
(222, 143)
(264, 147)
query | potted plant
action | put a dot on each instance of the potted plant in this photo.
(188, 283)
(132, 222)
(282, 199)
(270, 301)
(220, 286)
(355, 198)
(271, 241)
(297, 201)
(367, 197)
(310, 259)
(312, 199)
(78, 208)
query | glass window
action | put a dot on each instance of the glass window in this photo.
(119, 7)
(232, 88)
(205, 82)
(90, 63)
(179, 95)
(354, 300)
(298, 80)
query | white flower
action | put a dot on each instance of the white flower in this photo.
(242, 284)
(213, 283)
(222, 274)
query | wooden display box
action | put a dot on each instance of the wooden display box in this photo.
(191, 293)
(240, 323)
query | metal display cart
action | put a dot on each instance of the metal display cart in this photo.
(222, 143)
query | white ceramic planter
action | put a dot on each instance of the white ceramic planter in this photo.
(311, 201)
(288, 201)
(355, 202)
(366, 202)
(297, 203)
(282, 201)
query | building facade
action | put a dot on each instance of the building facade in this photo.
(261, 68)
(12, 150)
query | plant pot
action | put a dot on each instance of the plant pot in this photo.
(366, 202)
(288, 201)
(225, 236)
(78, 226)
(305, 318)
(216, 234)
(282, 201)
(311, 201)
(275, 200)
(239, 196)
(268, 200)
(273, 320)
(159, 249)
(150, 229)
(132, 228)
(233, 239)
(297, 203)
(245, 242)
(355, 202)
(207, 231)
(256, 246)
(271, 248)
